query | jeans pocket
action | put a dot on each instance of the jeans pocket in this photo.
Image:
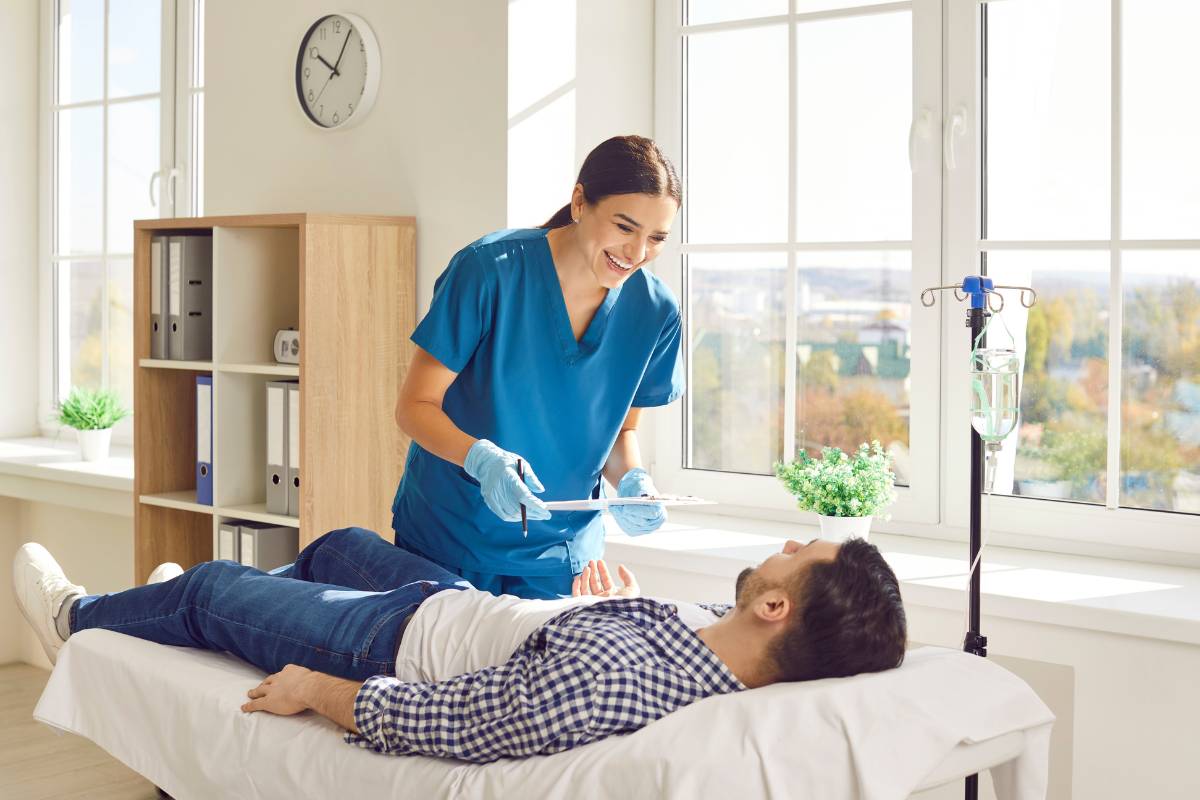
(377, 638)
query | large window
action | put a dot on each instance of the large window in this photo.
(115, 106)
(810, 214)
(1052, 150)
(1088, 191)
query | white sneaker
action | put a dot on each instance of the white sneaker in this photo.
(165, 572)
(40, 588)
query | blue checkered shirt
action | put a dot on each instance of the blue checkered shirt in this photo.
(591, 672)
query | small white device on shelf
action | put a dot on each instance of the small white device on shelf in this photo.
(287, 346)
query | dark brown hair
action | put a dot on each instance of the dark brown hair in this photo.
(849, 618)
(623, 165)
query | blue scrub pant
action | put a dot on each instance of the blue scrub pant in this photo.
(341, 608)
(532, 587)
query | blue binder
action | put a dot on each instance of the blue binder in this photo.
(204, 440)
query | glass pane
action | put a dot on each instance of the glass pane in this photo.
(80, 50)
(852, 176)
(132, 158)
(79, 175)
(736, 130)
(1048, 120)
(134, 44)
(81, 323)
(1061, 447)
(701, 12)
(736, 346)
(1160, 392)
(120, 329)
(1161, 179)
(853, 352)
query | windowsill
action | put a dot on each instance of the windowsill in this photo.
(50, 471)
(1128, 598)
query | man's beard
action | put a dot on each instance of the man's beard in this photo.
(748, 587)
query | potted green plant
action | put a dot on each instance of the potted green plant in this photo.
(92, 413)
(845, 491)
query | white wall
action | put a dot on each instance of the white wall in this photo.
(433, 146)
(18, 219)
(95, 550)
(579, 72)
(614, 57)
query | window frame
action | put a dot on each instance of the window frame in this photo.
(1087, 529)
(175, 148)
(762, 495)
(939, 510)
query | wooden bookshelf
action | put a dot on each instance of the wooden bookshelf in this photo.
(347, 283)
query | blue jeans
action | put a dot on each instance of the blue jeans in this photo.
(531, 587)
(340, 608)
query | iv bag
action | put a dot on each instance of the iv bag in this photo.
(995, 393)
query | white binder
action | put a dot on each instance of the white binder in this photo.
(158, 298)
(277, 441)
(293, 450)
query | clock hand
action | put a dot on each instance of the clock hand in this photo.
(343, 52)
(323, 88)
(332, 67)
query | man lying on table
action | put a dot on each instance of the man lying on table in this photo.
(479, 677)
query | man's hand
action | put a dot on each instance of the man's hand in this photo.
(282, 693)
(595, 580)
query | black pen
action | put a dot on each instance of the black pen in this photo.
(524, 519)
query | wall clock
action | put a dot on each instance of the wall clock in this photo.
(337, 71)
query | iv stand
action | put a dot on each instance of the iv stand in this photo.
(979, 290)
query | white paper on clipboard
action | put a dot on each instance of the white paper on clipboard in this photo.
(605, 503)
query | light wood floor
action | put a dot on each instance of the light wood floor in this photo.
(36, 762)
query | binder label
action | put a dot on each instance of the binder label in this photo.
(247, 554)
(204, 423)
(275, 425)
(176, 262)
(155, 277)
(294, 428)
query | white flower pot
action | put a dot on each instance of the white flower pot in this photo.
(94, 444)
(839, 529)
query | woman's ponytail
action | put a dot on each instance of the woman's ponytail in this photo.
(561, 218)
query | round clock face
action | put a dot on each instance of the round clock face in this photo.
(337, 70)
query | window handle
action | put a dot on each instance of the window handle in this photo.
(921, 125)
(955, 126)
(172, 181)
(154, 177)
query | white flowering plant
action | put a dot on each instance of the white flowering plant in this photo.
(838, 485)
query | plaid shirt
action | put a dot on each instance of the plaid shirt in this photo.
(591, 672)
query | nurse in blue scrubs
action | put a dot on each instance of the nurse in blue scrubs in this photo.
(542, 346)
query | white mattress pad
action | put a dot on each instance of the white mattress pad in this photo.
(172, 714)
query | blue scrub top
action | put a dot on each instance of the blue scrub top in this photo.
(499, 320)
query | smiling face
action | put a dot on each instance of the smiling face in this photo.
(621, 233)
(778, 570)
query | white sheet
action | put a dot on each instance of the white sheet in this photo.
(173, 715)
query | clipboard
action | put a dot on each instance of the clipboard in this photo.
(605, 503)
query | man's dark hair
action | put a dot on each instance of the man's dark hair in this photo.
(849, 618)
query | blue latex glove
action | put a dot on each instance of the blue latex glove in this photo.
(636, 520)
(502, 490)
